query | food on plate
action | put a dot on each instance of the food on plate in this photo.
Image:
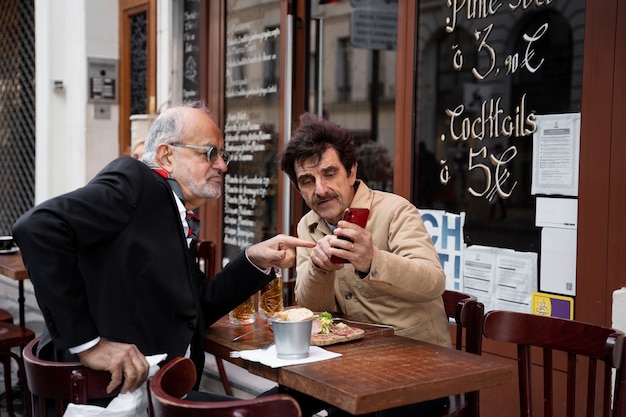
(295, 314)
(325, 321)
(326, 331)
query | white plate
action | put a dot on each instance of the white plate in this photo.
(12, 250)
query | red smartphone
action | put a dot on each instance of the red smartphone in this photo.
(357, 216)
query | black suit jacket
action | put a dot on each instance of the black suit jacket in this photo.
(110, 260)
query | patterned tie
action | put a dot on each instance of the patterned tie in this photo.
(193, 222)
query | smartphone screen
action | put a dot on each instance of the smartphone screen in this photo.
(357, 216)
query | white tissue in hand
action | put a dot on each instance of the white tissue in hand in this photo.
(130, 404)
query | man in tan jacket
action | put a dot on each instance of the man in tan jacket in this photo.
(394, 275)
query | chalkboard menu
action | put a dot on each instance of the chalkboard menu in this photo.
(250, 131)
(191, 50)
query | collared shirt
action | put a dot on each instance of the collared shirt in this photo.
(182, 211)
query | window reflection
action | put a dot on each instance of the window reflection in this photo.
(344, 75)
(355, 89)
(271, 66)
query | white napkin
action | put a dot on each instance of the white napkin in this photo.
(130, 404)
(268, 357)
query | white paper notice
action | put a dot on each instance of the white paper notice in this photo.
(558, 260)
(556, 212)
(516, 280)
(479, 274)
(556, 150)
(501, 279)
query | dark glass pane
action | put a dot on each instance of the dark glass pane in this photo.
(490, 78)
(481, 78)
(251, 126)
(191, 50)
(138, 64)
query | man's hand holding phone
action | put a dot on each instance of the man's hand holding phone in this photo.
(352, 235)
(351, 243)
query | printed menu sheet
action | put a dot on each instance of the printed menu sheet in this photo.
(502, 279)
(556, 154)
(479, 273)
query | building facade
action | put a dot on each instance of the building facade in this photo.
(502, 116)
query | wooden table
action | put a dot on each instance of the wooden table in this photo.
(219, 342)
(12, 266)
(378, 372)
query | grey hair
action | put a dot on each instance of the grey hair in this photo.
(168, 128)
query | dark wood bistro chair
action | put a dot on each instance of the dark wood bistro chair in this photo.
(206, 252)
(53, 385)
(467, 314)
(177, 377)
(569, 345)
(12, 336)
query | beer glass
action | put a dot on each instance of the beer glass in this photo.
(271, 296)
(245, 313)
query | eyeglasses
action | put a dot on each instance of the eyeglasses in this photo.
(211, 152)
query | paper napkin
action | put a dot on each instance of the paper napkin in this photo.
(268, 357)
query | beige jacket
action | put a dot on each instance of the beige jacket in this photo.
(405, 282)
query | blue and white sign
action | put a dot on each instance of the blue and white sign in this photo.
(446, 231)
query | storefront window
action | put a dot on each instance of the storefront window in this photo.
(481, 80)
(491, 77)
(251, 125)
(190, 51)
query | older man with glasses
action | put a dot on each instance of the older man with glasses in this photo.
(111, 262)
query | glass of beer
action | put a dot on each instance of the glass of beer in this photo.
(271, 296)
(244, 313)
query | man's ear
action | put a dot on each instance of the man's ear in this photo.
(352, 173)
(164, 156)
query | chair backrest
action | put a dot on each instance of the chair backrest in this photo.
(600, 348)
(468, 315)
(55, 384)
(176, 378)
(206, 251)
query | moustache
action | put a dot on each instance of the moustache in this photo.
(320, 199)
(217, 172)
